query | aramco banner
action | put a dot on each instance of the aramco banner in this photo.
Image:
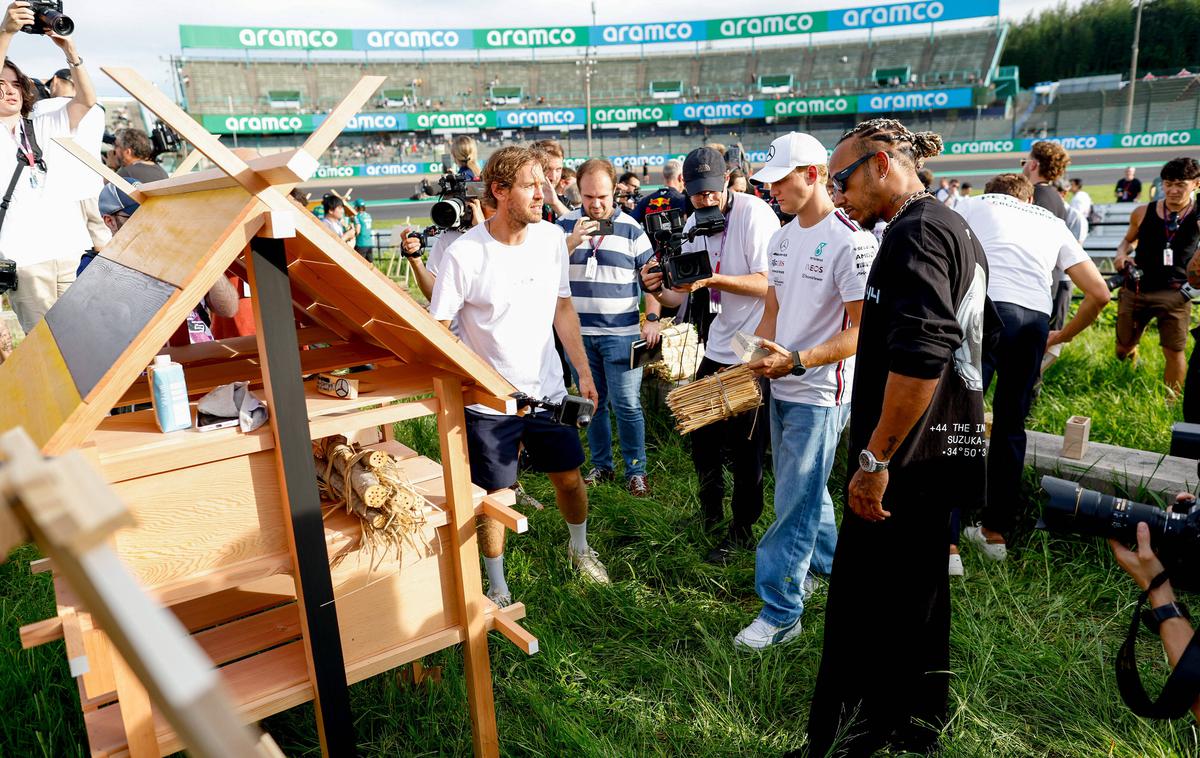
(745, 27)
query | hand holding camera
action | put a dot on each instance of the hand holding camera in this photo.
(582, 232)
(40, 17)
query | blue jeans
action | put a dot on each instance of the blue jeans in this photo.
(620, 387)
(804, 441)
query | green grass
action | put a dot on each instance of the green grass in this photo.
(646, 667)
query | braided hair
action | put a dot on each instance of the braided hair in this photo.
(915, 146)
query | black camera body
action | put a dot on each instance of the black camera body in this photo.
(665, 230)
(572, 411)
(424, 235)
(1129, 277)
(1174, 533)
(8, 275)
(48, 17)
(453, 210)
(163, 139)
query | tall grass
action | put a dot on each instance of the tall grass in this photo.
(646, 666)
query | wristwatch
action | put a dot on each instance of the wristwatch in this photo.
(798, 367)
(652, 317)
(869, 463)
(1154, 617)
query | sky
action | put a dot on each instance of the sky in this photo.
(143, 34)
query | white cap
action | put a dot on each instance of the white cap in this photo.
(789, 151)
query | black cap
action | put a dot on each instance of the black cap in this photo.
(703, 171)
(62, 73)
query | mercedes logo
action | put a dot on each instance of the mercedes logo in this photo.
(770, 152)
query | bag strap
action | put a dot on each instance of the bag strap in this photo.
(21, 160)
(1182, 686)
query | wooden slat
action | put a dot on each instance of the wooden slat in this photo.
(397, 450)
(78, 152)
(189, 162)
(203, 353)
(235, 640)
(327, 426)
(462, 545)
(101, 684)
(41, 566)
(516, 634)
(511, 519)
(386, 385)
(136, 713)
(226, 605)
(38, 391)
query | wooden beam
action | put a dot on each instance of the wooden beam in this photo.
(320, 140)
(136, 713)
(512, 519)
(463, 554)
(515, 633)
(95, 164)
(282, 170)
(268, 272)
(189, 162)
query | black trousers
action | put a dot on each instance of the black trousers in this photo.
(884, 675)
(742, 442)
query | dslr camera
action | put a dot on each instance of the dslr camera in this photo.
(48, 17)
(572, 411)
(1128, 277)
(665, 230)
(163, 139)
(1174, 533)
(8, 275)
(452, 210)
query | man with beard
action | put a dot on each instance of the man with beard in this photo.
(917, 437)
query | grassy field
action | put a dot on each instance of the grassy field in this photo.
(646, 666)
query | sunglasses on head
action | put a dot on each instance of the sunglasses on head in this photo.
(839, 179)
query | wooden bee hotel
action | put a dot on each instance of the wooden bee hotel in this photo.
(293, 590)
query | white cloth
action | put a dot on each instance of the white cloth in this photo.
(1024, 243)
(1082, 202)
(748, 230)
(45, 222)
(505, 297)
(814, 272)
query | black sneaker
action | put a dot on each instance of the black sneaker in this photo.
(726, 549)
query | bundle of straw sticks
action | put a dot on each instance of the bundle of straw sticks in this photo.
(714, 398)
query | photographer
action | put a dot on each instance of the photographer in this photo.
(819, 265)
(465, 153)
(1160, 243)
(736, 292)
(43, 231)
(605, 291)
(629, 191)
(506, 282)
(135, 155)
(426, 271)
(1143, 565)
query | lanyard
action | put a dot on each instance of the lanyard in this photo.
(1168, 232)
(25, 146)
(596, 242)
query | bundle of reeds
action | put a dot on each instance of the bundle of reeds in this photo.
(714, 398)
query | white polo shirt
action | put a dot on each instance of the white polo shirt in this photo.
(814, 273)
(46, 223)
(1024, 243)
(505, 297)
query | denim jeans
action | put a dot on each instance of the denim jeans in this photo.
(804, 440)
(620, 387)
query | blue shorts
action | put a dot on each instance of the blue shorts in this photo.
(494, 445)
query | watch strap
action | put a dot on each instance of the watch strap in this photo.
(1153, 618)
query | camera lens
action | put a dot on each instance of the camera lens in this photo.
(448, 214)
(58, 23)
(1075, 510)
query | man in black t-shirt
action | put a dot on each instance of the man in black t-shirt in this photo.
(916, 432)
(1129, 189)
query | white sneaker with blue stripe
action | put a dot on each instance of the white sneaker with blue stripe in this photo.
(761, 635)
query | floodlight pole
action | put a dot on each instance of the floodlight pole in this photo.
(587, 82)
(1137, 33)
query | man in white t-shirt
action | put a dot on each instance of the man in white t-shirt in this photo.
(44, 230)
(1024, 243)
(738, 255)
(819, 266)
(506, 283)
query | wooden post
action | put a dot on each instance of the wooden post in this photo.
(468, 585)
(277, 343)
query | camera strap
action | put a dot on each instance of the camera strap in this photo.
(28, 153)
(1183, 685)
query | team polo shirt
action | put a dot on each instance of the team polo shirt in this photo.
(608, 304)
(814, 273)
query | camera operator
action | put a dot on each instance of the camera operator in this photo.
(550, 155)
(629, 189)
(604, 286)
(1144, 566)
(1025, 244)
(1160, 242)
(819, 265)
(670, 195)
(736, 293)
(135, 155)
(465, 153)
(916, 434)
(506, 282)
(43, 231)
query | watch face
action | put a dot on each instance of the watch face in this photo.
(866, 461)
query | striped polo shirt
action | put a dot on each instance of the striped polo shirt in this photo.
(608, 303)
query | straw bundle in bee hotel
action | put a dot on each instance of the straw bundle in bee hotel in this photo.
(714, 398)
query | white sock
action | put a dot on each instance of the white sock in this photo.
(495, 572)
(578, 536)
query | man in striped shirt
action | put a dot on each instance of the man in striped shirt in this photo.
(604, 286)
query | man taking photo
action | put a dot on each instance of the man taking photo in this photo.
(819, 265)
(506, 282)
(135, 155)
(736, 291)
(605, 291)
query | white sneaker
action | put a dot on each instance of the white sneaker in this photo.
(501, 599)
(996, 551)
(809, 587)
(956, 565)
(588, 563)
(761, 635)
